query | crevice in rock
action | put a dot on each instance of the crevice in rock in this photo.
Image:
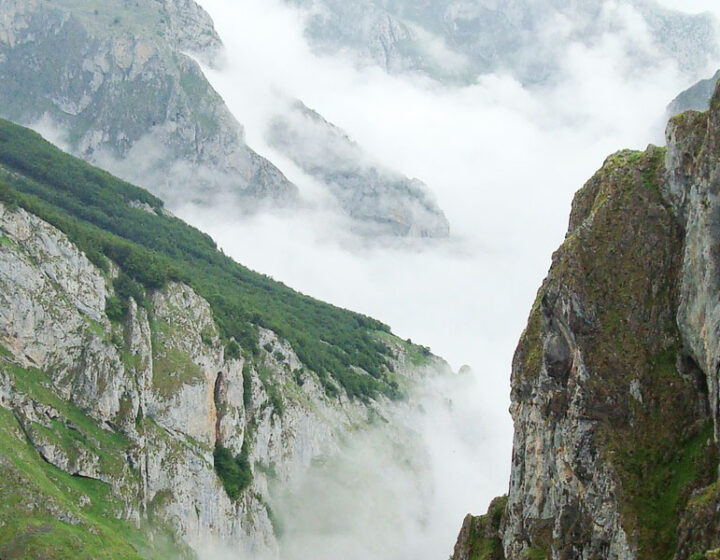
(219, 398)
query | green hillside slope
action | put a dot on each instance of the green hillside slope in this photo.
(111, 220)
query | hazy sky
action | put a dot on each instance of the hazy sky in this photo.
(503, 162)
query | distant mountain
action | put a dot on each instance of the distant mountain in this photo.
(695, 98)
(115, 84)
(455, 40)
(380, 200)
(114, 77)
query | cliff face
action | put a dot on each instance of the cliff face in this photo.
(615, 379)
(143, 404)
(119, 86)
(116, 79)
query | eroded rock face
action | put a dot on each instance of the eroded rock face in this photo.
(142, 403)
(115, 79)
(615, 380)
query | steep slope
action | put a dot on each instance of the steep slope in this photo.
(381, 201)
(116, 80)
(455, 40)
(615, 380)
(152, 391)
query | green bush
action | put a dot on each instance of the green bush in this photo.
(232, 350)
(234, 472)
(116, 309)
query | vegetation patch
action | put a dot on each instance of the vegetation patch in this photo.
(480, 536)
(172, 370)
(46, 513)
(235, 472)
(622, 261)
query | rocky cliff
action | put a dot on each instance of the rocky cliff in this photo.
(118, 85)
(615, 379)
(117, 82)
(132, 424)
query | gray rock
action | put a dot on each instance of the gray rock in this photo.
(160, 381)
(115, 79)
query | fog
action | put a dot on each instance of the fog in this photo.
(503, 162)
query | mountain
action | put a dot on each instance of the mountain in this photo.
(115, 79)
(456, 40)
(116, 85)
(380, 200)
(695, 98)
(615, 379)
(153, 392)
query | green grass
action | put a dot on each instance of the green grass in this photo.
(536, 554)
(173, 369)
(93, 209)
(109, 446)
(41, 516)
(7, 242)
(484, 541)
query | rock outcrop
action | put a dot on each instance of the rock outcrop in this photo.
(116, 81)
(615, 380)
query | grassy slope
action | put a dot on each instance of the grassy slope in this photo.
(47, 514)
(93, 209)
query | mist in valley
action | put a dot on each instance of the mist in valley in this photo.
(502, 160)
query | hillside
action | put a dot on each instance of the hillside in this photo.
(380, 201)
(152, 390)
(615, 379)
(115, 82)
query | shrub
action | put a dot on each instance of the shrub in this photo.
(234, 472)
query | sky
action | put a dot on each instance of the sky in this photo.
(503, 162)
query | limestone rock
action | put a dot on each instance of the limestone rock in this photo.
(142, 404)
(615, 379)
